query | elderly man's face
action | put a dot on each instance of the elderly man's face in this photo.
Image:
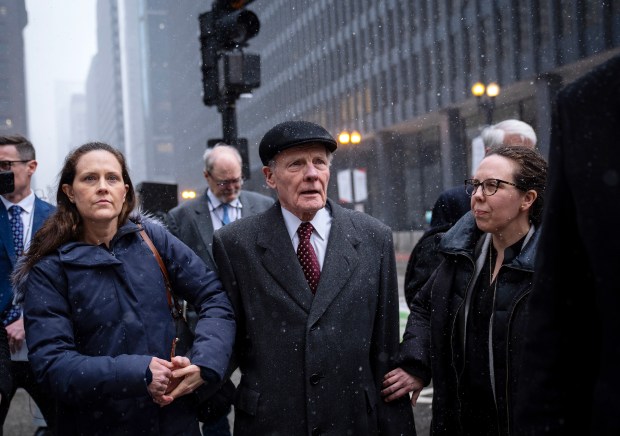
(300, 177)
(224, 179)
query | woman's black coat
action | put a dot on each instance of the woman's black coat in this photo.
(429, 343)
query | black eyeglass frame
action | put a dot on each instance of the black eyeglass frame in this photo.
(5, 167)
(473, 184)
(222, 183)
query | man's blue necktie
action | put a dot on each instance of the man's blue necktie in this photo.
(13, 312)
(17, 228)
(225, 217)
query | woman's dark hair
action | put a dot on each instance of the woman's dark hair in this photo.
(532, 173)
(65, 225)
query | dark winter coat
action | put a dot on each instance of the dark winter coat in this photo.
(429, 343)
(313, 365)
(573, 348)
(95, 317)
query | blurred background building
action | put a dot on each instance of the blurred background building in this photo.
(398, 72)
(13, 19)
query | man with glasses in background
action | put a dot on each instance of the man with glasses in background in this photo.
(20, 218)
(194, 222)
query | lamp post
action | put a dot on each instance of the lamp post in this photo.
(487, 105)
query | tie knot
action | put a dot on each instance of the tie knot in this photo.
(304, 231)
(15, 210)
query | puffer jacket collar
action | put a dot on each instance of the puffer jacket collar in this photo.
(463, 238)
(83, 254)
(79, 253)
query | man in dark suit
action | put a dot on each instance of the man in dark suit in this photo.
(194, 221)
(315, 293)
(22, 213)
(573, 341)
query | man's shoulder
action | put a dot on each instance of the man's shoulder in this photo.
(249, 225)
(43, 206)
(358, 219)
(188, 205)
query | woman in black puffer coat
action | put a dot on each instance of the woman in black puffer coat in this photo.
(466, 324)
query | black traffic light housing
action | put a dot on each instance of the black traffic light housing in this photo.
(226, 71)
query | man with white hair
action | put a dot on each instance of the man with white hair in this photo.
(509, 132)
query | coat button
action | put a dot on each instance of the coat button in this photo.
(315, 378)
(316, 431)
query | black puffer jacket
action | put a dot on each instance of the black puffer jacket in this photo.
(430, 341)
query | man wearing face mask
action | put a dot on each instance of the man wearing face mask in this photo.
(20, 218)
(194, 222)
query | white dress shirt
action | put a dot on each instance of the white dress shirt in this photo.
(322, 223)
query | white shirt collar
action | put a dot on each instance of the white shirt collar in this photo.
(214, 202)
(320, 222)
(27, 203)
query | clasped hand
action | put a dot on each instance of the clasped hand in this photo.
(172, 379)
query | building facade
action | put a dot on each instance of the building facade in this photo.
(104, 87)
(400, 73)
(13, 19)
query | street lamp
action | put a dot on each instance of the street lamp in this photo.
(346, 138)
(487, 105)
(188, 194)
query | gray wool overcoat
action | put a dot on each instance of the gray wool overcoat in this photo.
(313, 365)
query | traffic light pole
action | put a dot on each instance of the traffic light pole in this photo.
(229, 121)
(228, 72)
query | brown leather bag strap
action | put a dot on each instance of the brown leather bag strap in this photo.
(175, 310)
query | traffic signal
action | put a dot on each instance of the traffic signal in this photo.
(235, 28)
(226, 70)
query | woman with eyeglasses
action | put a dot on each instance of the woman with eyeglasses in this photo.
(466, 325)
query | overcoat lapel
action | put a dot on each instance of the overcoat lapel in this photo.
(341, 260)
(204, 226)
(247, 207)
(39, 217)
(280, 260)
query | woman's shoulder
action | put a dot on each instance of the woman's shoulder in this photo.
(49, 265)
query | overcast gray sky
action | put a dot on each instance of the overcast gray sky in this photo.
(60, 40)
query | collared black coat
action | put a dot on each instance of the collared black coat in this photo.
(430, 341)
(313, 365)
(573, 353)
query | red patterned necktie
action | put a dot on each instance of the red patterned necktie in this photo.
(307, 256)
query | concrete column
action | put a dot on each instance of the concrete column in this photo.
(547, 87)
(453, 148)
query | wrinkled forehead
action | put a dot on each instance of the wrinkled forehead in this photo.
(496, 167)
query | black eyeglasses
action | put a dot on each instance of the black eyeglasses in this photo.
(222, 183)
(5, 165)
(489, 186)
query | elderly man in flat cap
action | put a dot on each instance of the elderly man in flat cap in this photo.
(315, 293)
